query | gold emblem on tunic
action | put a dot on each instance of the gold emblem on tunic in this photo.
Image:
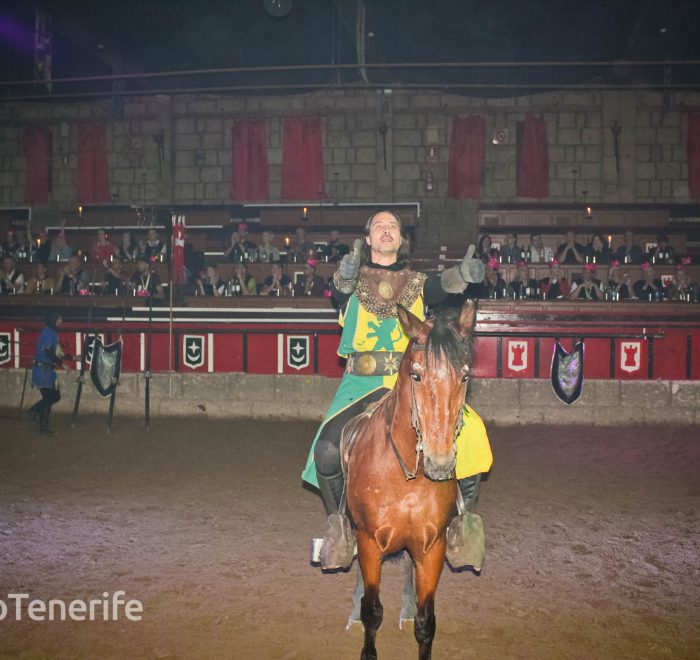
(385, 290)
(366, 364)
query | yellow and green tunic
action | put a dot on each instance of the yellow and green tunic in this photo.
(369, 324)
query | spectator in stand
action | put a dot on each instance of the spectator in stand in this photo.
(102, 249)
(663, 253)
(311, 284)
(39, 284)
(73, 278)
(41, 247)
(683, 289)
(267, 252)
(493, 286)
(589, 288)
(128, 251)
(276, 284)
(524, 287)
(629, 252)
(484, 251)
(115, 278)
(211, 284)
(60, 250)
(145, 281)
(597, 251)
(539, 253)
(556, 286)
(246, 282)
(11, 280)
(15, 246)
(154, 249)
(511, 252)
(571, 252)
(618, 282)
(649, 288)
(301, 247)
(240, 248)
(335, 250)
(250, 246)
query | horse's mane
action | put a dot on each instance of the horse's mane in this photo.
(444, 340)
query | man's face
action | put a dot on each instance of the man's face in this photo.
(384, 235)
(523, 272)
(143, 267)
(41, 271)
(8, 264)
(59, 241)
(73, 264)
(536, 241)
(570, 237)
(152, 236)
(335, 235)
(587, 275)
(266, 237)
(510, 239)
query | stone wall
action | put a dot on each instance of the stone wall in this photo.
(507, 402)
(195, 167)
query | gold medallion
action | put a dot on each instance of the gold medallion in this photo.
(385, 290)
(366, 365)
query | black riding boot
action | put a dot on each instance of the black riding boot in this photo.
(331, 491)
(466, 545)
(34, 412)
(44, 415)
(338, 546)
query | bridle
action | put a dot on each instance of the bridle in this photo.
(415, 423)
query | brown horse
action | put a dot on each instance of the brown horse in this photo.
(393, 506)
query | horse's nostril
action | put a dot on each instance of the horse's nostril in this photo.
(439, 468)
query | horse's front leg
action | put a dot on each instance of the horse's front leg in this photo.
(428, 570)
(371, 610)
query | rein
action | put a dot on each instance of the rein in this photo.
(415, 423)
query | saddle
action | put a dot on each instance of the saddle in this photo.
(348, 435)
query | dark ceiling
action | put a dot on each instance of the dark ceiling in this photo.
(97, 37)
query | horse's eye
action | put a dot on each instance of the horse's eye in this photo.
(465, 378)
(415, 376)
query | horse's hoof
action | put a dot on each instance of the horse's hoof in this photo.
(352, 621)
(403, 620)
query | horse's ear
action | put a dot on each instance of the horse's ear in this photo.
(412, 325)
(467, 318)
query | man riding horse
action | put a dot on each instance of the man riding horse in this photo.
(369, 284)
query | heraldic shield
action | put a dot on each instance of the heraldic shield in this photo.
(567, 372)
(106, 366)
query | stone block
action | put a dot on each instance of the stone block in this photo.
(186, 175)
(600, 394)
(364, 190)
(668, 171)
(247, 388)
(407, 138)
(365, 155)
(493, 391)
(363, 172)
(650, 394)
(669, 135)
(646, 170)
(362, 139)
(187, 141)
(230, 105)
(646, 136)
(212, 141)
(669, 416)
(685, 394)
(336, 122)
(566, 120)
(591, 136)
(163, 385)
(211, 174)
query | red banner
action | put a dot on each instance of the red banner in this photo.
(178, 249)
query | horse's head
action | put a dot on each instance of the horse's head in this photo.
(434, 373)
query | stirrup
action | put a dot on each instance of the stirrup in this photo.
(466, 545)
(338, 547)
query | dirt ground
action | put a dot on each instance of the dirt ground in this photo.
(593, 545)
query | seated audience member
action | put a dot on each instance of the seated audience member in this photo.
(39, 284)
(267, 252)
(649, 287)
(301, 247)
(72, 278)
(244, 282)
(11, 280)
(629, 252)
(114, 278)
(240, 247)
(589, 288)
(335, 250)
(60, 250)
(493, 285)
(522, 285)
(153, 249)
(597, 251)
(682, 288)
(663, 253)
(511, 252)
(556, 286)
(128, 251)
(145, 282)
(15, 246)
(211, 284)
(618, 282)
(310, 284)
(571, 252)
(538, 252)
(484, 251)
(276, 284)
(102, 248)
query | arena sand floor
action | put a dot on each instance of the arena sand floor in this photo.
(593, 545)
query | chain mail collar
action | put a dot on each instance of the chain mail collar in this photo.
(379, 290)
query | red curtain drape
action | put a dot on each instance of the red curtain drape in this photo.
(465, 171)
(36, 144)
(693, 151)
(533, 160)
(93, 181)
(249, 171)
(302, 159)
